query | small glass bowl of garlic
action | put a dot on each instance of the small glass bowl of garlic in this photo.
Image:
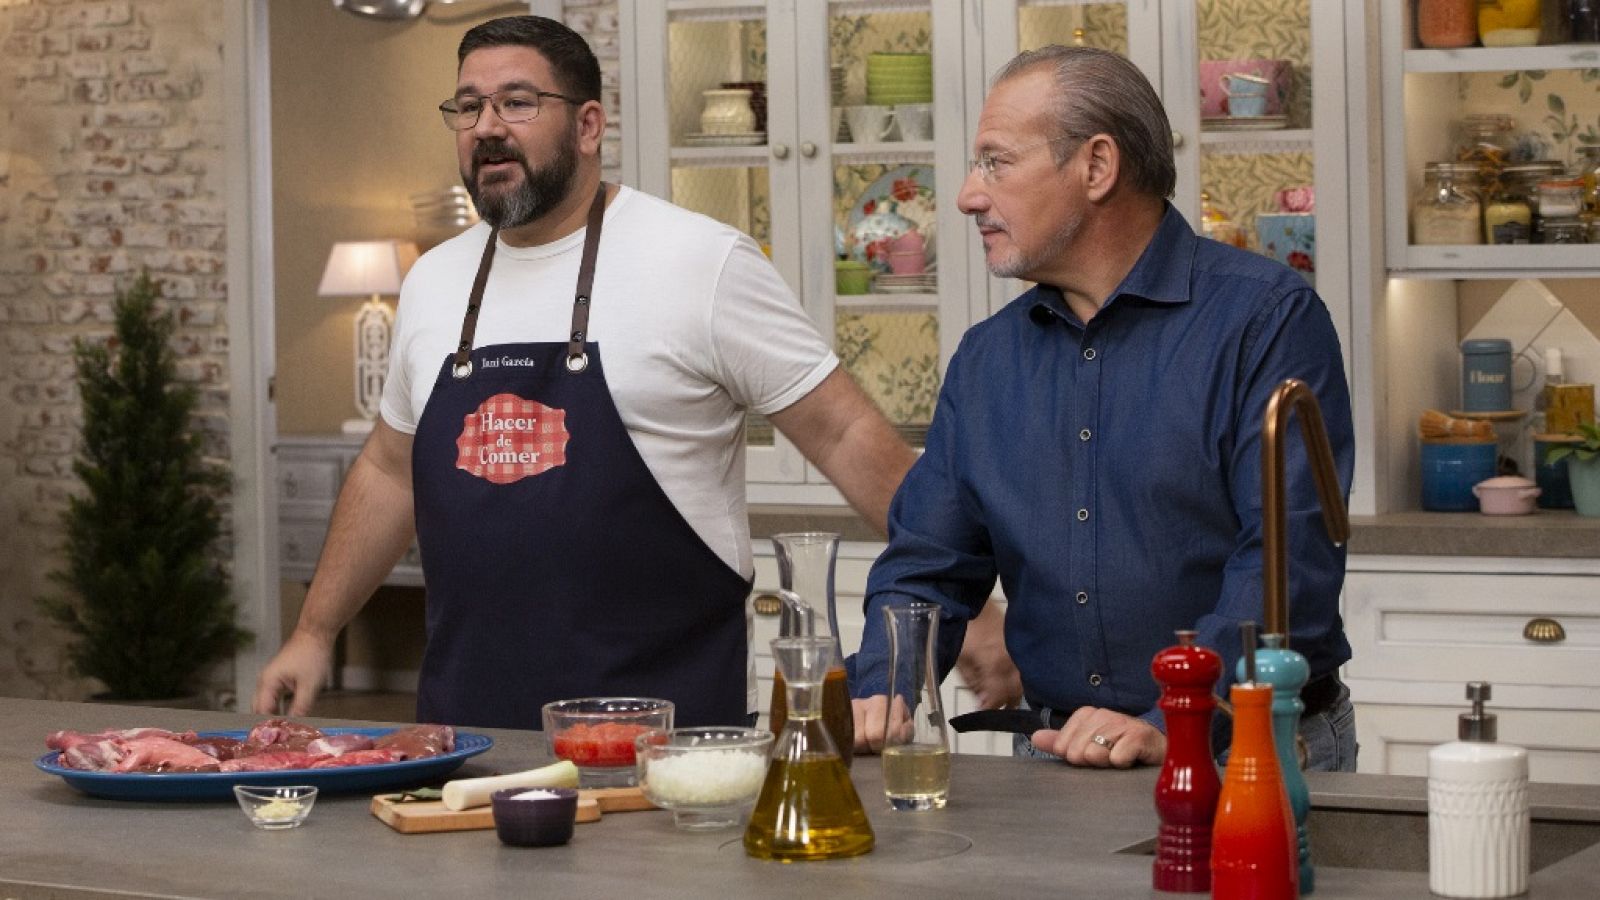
(277, 807)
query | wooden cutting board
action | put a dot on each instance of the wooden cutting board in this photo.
(430, 816)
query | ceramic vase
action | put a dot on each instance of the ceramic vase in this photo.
(1584, 478)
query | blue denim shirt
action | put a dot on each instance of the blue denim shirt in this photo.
(1110, 475)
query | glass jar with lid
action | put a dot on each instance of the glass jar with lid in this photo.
(1485, 141)
(1521, 181)
(1509, 23)
(1560, 198)
(1587, 171)
(1447, 23)
(1566, 230)
(1448, 212)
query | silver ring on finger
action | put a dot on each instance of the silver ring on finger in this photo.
(1103, 741)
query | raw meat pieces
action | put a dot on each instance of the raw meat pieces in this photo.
(272, 745)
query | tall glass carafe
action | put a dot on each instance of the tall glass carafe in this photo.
(805, 576)
(916, 747)
(808, 808)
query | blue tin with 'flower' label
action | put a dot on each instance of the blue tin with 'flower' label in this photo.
(1486, 375)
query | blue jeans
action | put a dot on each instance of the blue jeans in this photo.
(1330, 738)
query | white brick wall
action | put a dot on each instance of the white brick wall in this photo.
(110, 162)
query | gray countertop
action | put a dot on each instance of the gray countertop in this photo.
(1548, 533)
(1013, 828)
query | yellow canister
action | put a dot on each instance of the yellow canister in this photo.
(1566, 406)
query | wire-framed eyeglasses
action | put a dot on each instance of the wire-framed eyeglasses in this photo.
(512, 105)
(991, 164)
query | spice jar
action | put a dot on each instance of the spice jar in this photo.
(1566, 230)
(1447, 23)
(1521, 181)
(1507, 217)
(1560, 198)
(1583, 21)
(1587, 171)
(1448, 212)
(1509, 23)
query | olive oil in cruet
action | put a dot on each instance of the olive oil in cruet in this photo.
(808, 807)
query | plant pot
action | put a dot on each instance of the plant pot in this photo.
(1584, 477)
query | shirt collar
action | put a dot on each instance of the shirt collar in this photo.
(1161, 274)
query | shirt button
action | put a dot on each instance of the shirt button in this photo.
(1083, 515)
(1083, 435)
(1095, 679)
(1089, 353)
(1082, 598)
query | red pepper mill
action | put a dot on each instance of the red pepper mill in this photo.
(1187, 791)
(1254, 851)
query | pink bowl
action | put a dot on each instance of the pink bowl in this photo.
(1507, 495)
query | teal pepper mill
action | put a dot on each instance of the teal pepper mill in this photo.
(1286, 670)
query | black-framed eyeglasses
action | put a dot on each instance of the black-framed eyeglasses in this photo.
(511, 105)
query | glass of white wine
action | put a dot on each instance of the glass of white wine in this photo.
(916, 745)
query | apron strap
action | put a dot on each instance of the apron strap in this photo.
(577, 359)
(462, 366)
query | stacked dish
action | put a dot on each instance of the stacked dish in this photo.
(890, 283)
(894, 78)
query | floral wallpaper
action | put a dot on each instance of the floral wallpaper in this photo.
(1243, 184)
(1105, 25)
(1556, 113)
(1263, 29)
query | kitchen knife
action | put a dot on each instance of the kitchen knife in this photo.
(1014, 721)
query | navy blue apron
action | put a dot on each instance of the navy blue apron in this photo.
(556, 567)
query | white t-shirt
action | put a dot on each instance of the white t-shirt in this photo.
(694, 327)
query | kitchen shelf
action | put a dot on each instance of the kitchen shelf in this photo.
(1500, 261)
(888, 303)
(1504, 59)
(1288, 140)
(889, 152)
(715, 10)
(717, 157)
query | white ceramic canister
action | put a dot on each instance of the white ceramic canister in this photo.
(727, 111)
(1477, 810)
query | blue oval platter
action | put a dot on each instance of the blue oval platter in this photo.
(189, 786)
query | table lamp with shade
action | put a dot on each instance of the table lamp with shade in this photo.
(370, 269)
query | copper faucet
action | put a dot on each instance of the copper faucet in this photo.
(1291, 395)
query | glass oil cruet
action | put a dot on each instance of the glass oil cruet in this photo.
(916, 746)
(808, 808)
(805, 577)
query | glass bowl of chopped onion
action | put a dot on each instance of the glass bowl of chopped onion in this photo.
(708, 777)
(273, 808)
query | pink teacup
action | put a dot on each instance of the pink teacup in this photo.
(910, 242)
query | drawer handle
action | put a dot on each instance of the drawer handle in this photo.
(767, 604)
(1544, 631)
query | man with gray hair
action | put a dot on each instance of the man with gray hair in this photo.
(1097, 443)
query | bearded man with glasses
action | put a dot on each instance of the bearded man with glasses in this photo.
(563, 424)
(1097, 443)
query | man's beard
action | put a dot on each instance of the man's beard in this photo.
(1019, 264)
(541, 190)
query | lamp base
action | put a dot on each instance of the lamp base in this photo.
(356, 426)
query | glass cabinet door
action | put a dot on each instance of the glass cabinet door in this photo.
(715, 113)
(1239, 81)
(885, 243)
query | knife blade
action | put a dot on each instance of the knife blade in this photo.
(1013, 721)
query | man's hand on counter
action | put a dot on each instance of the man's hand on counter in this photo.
(1102, 738)
(869, 714)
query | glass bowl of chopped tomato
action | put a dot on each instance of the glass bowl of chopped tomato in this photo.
(596, 734)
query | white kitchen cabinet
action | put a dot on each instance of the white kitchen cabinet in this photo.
(311, 470)
(850, 582)
(1420, 628)
(797, 187)
(1239, 169)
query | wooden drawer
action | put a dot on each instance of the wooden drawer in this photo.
(303, 480)
(1563, 745)
(299, 545)
(1438, 627)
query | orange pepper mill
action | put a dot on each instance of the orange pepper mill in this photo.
(1254, 851)
(1187, 790)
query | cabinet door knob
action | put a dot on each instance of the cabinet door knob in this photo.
(1177, 139)
(767, 604)
(808, 149)
(781, 151)
(1544, 631)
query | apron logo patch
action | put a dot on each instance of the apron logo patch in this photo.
(508, 439)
